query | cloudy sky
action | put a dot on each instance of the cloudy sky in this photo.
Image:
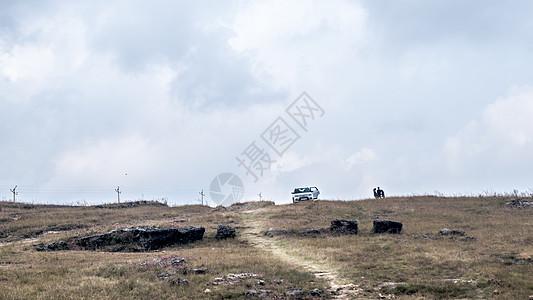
(160, 97)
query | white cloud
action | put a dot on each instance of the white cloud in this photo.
(365, 155)
(290, 42)
(510, 119)
(496, 148)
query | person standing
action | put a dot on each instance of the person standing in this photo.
(376, 194)
(381, 193)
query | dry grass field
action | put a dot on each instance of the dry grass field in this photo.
(493, 260)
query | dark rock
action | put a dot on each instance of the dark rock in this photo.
(166, 275)
(179, 281)
(220, 208)
(427, 236)
(261, 282)
(316, 293)
(344, 226)
(199, 271)
(381, 226)
(520, 203)
(250, 293)
(53, 246)
(224, 232)
(263, 293)
(275, 232)
(132, 239)
(310, 232)
(447, 231)
(509, 259)
(295, 293)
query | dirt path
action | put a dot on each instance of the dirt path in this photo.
(338, 288)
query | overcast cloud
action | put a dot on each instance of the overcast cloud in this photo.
(160, 97)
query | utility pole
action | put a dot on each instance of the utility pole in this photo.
(260, 197)
(202, 194)
(118, 193)
(15, 193)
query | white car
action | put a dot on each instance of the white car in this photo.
(305, 193)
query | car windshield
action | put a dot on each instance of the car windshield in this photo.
(302, 190)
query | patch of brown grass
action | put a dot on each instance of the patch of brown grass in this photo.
(495, 264)
(427, 265)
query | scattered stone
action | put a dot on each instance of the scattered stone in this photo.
(232, 279)
(166, 275)
(179, 281)
(295, 293)
(447, 231)
(468, 239)
(510, 259)
(278, 281)
(310, 232)
(207, 291)
(224, 232)
(275, 232)
(131, 204)
(263, 293)
(381, 226)
(53, 246)
(199, 271)
(427, 236)
(316, 293)
(342, 226)
(261, 282)
(250, 293)
(520, 203)
(164, 262)
(220, 208)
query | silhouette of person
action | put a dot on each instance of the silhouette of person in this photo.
(381, 193)
(376, 194)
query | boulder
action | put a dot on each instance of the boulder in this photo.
(295, 293)
(316, 293)
(520, 203)
(342, 226)
(381, 226)
(224, 232)
(250, 293)
(447, 231)
(52, 246)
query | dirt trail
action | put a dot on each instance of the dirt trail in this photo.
(338, 289)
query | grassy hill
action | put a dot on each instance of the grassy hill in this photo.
(493, 259)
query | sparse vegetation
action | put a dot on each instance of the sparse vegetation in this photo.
(492, 260)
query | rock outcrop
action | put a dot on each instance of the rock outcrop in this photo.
(447, 231)
(131, 239)
(341, 226)
(225, 232)
(520, 203)
(381, 226)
